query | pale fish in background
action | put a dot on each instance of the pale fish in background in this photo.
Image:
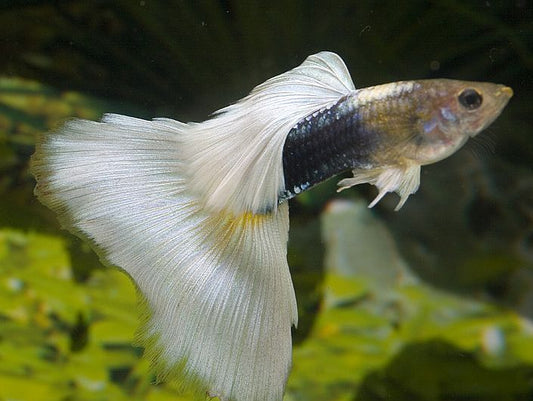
(197, 213)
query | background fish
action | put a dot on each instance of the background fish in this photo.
(197, 214)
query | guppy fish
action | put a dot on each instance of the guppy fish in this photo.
(197, 213)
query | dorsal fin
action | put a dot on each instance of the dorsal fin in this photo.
(234, 159)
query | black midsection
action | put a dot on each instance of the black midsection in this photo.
(324, 144)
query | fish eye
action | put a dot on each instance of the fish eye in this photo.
(470, 99)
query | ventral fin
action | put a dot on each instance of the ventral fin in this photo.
(404, 180)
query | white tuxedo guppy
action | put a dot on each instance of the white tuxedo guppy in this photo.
(197, 213)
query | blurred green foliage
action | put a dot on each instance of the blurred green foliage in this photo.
(416, 344)
(61, 340)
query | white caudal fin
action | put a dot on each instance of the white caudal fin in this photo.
(217, 285)
(235, 159)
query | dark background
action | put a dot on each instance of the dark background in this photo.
(186, 59)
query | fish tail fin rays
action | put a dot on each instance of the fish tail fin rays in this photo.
(217, 285)
(403, 180)
(233, 326)
(235, 158)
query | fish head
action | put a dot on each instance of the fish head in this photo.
(448, 112)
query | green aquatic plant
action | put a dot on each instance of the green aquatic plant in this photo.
(61, 339)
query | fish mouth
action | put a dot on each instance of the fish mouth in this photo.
(500, 97)
(504, 91)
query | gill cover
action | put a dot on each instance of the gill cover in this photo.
(182, 208)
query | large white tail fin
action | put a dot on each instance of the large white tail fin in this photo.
(217, 286)
(190, 212)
